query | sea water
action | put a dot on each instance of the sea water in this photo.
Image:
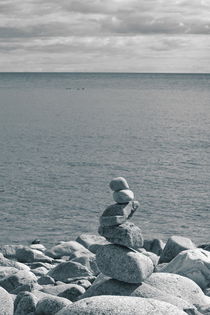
(64, 136)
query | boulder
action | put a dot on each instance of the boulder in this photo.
(29, 255)
(21, 277)
(118, 183)
(122, 264)
(126, 234)
(89, 262)
(40, 247)
(69, 269)
(83, 283)
(193, 264)
(120, 305)
(9, 251)
(40, 271)
(155, 246)
(174, 246)
(117, 214)
(74, 290)
(6, 303)
(108, 286)
(7, 271)
(45, 279)
(87, 240)
(50, 305)
(11, 263)
(67, 249)
(178, 286)
(123, 196)
(26, 305)
(26, 288)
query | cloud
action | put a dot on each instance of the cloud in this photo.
(111, 34)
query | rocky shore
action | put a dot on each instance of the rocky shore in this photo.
(115, 272)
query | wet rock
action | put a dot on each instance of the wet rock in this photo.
(118, 183)
(6, 303)
(122, 264)
(120, 305)
(123, 196)
(67, 249)
(126, 234)
(174, 246)
(50, 305)
(117, 214)
(69, 269)
(193, 264)
(155, 246)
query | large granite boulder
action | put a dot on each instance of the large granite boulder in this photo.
(178, 286)
(193, 264)
(107, 286)
(122, 264)
(26, 304)
(126, 234)
(174, 246)
(117, 214)
(118, 183)
(120, 305)
(69, 269)
(6, 303)
(67, 249)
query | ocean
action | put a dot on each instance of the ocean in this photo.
(64, 136)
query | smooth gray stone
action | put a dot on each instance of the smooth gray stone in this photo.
(174, 246)
(117, 214)
(50, 305)
(72, 293)
(118, 183)
(126, 234)
(11, 263)
(66, 249)
(87, 240)
(44, 280)
(179, 286)
(108, 286)
(89, 262)
(123, 196)
(59, 289)
(120, 305)
(193, 264)
(6, 303)
(155, 246)
(69, 269)
(29, 255)
(21, 277)
(122, 264)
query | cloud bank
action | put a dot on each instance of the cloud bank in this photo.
(111, 35)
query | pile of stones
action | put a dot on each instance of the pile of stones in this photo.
(121, 258)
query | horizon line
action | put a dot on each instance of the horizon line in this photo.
(103, 72)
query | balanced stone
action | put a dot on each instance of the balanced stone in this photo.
(118, 183)
(126, 234)
(123, 264)
(117, 214)
(123, 196)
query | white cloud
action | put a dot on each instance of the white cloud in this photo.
(112, 35)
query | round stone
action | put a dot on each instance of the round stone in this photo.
(123, 196)
(118, 183)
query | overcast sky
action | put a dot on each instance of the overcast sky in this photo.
(105, 35)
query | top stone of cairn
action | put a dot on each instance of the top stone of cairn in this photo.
(118, 183)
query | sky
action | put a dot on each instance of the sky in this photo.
(105, 36)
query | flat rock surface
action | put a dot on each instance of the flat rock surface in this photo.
(122, 264)
(126, 234)
(120, 305)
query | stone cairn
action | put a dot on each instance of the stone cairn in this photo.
(121, 258)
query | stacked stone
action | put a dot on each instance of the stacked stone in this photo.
(120, 260)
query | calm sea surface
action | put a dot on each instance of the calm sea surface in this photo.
(64, 136)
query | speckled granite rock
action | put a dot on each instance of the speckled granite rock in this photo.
(123, 196)
(120, 263)
(126, 234)
(118, 183)
(6, 303)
